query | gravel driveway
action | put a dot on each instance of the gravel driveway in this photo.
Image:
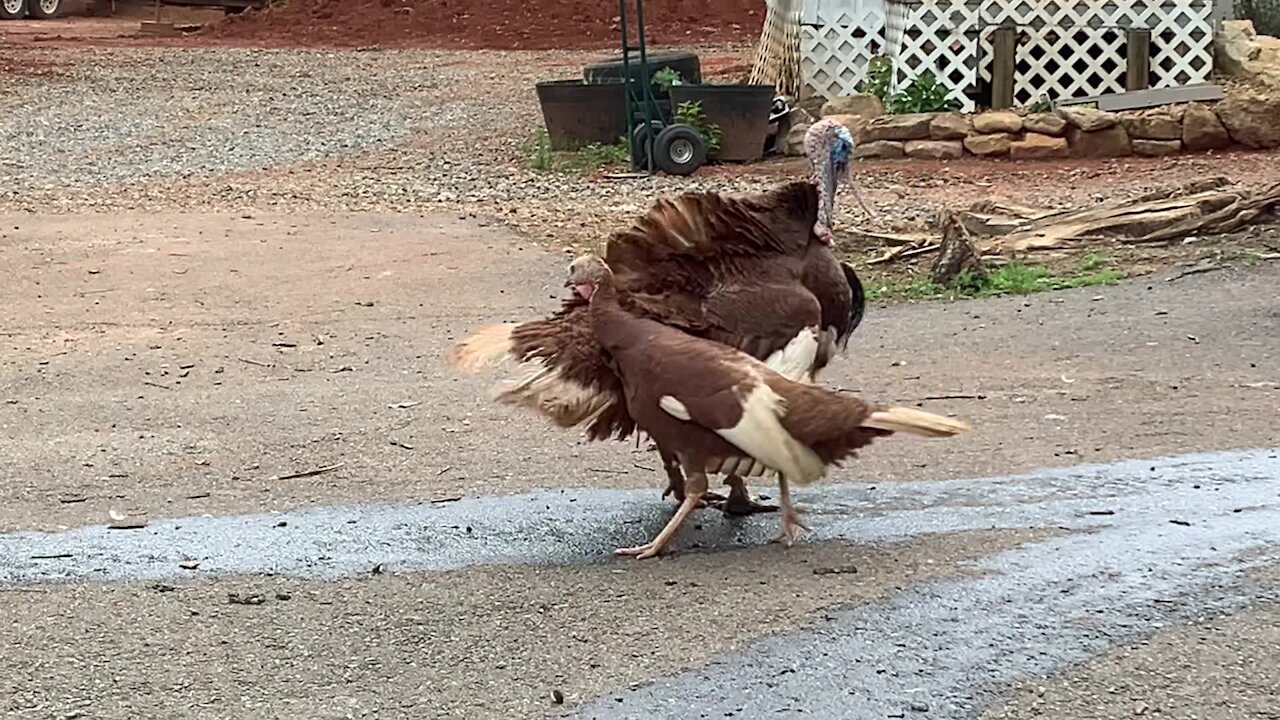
(230, 129)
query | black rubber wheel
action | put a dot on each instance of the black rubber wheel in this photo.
(679, 150)
(43, 9)
(13, 9)
(685, 63)
(642, 135)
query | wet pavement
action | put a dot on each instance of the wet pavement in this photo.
(1190, 499)
(1136, 546)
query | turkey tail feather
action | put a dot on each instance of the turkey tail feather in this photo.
(915, 422)
(487, 346)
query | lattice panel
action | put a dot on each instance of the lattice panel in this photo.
(1075, 49)
(1067, 48)
(935, 35)
(834, 52)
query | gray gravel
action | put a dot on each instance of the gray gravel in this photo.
(139, 128)
(224, 129)
(185, 113)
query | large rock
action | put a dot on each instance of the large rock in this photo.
(855, 123)
(997, 121)
(1202, 130)
(913, 126)
(1251, 118)
(868, 106)
(1156, 148)
(993, 144)
(1045, 124)
(812, 104)
(935, 149)
(795, 140)
(950, 126)
(1087, 119)
(1239, 51)
(1035, 146)
(1151, 125)
(1111, 141)
(800, 116)
(879, 149)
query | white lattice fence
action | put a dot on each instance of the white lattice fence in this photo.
(938, 36)
(837, 41)
(1066, 49)
(1074, 49)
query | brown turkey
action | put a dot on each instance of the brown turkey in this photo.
(716, 409)
(754, 272)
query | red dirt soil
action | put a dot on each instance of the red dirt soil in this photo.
(491, 24)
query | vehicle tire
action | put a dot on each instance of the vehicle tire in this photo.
(679, 150)
(13, 9)
(44, 9)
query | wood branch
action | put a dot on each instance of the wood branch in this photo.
(902, 252)
(1155, 217)
(871, 237)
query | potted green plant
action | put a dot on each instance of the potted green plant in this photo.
(739, 111)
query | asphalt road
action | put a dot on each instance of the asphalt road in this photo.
(1102, 556)
(452, 558)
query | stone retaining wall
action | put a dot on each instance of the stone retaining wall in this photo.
(1246, 118)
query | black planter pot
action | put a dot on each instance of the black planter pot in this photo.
(741, 112)
(578, 114)
(685, 63)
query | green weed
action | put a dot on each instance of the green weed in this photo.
(1015, 278)
(537, 150)
(691, 114)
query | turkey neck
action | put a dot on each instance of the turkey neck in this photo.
(824, 176)
(608, 319)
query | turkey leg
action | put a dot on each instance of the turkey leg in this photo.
(792, 523)
(740, 501)
(695, 487)
(675, 482)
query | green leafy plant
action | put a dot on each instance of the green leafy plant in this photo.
(923, 94)
(539, 150)
(1042, 104)
(690, 113)
(586, 158)
(879, 78)
(666, 77)
(1015, 278)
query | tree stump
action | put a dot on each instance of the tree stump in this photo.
(956, 254)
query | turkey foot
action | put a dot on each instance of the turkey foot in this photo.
(740, 501)
(792, 523)
(691, 500)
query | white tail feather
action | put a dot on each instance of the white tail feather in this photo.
(795, 361)
(546, 391)
(915, 422)
(487, 346)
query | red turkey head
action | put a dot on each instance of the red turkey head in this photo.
(586, 274)
(829, 147)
